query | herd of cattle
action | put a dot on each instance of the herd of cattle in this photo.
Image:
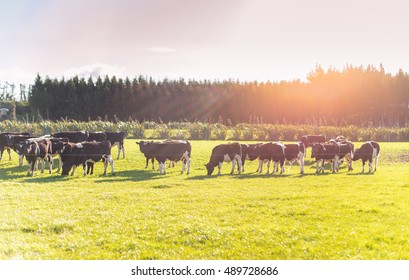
(335, 151)
(84, 148)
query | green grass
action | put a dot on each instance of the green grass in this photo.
(139, 214)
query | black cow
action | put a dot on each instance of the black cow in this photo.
(75, 154)
(170, 150)
(326, 151)
(230, 152)
(369, 151)
(73, 136)
(117, 138)
(247, 154)
(268, 152)
(309, 140)
(97, 136)
(35, 149)
(5, 139)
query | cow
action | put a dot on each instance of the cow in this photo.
(326, 151)
(4, 139)
(14, 141)
(369, 151)
(230, 152)
(309, 140)
(247, 153)
(117, 138)
(55, 149)
(346, 150)
(295, 152)
(145, 148)
(174, 151)
(75, 154)
(35, 149)
(268, 152)
(73, 136)
(96, 136)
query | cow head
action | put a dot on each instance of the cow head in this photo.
(29, 147)
(317, 149)
(210, 169)
(144, 146)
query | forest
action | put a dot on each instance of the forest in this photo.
(355, 95)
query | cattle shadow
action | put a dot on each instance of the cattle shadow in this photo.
(130, 175)
(361, 174)
(48, 178)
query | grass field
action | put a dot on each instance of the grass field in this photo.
(139, 214)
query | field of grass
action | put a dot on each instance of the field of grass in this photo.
(139, 214)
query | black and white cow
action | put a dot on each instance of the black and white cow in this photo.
(247, 153)
(73, 136)
(96, 136)
(268, 152)
(145, 147)
(295, 152)
(174, 151)
(230, 152)
(117, 138)
(309, 140)
(35, 149)
(7, 142)
(55, 149)
(369, 151)
(346, 151)
(15, 141)
(327, 151)
(75, 154)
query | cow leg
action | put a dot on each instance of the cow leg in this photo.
(188, 165)
(268, 167)
(376, 159)
(59, 163)
(370, 165)
(282, 166)
(335, 167)
(123, 150)
(220, 167)
(31, 169)
(239, 163)
(233, 165)
(260, 166)
(111, 162)
(73, 169)
(1, 152)
(42, 165)
(301, 162)
(363, 166)
(20, 160)
(8, 151)
(84, 167)
(153, 163)
(119, 149)
(105, 167)
(318, 164)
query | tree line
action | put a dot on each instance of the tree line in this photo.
(354, 95)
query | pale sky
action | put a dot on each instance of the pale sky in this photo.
(204, 39)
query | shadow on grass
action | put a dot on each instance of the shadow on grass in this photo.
(129, 175)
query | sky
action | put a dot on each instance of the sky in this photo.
(262, 40)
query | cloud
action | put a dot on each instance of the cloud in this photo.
(16, 75)
(96, 70)
(162, 50)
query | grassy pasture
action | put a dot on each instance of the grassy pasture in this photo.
(139, 214)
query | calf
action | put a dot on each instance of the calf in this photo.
(369, 151)
(230, 152)
(37, 149)
(5, 142)
(73, 155)
(309, 140)
(327, 151)
(55, 149)
(117, 138)
(268, 152)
